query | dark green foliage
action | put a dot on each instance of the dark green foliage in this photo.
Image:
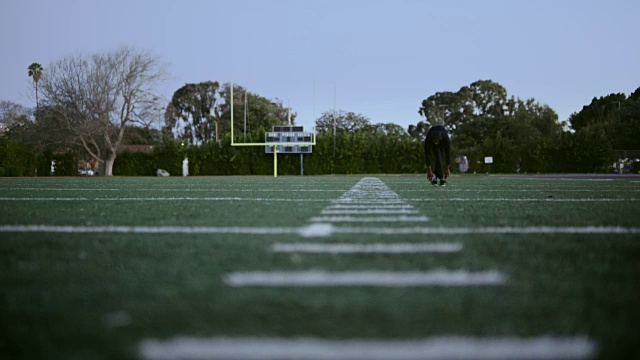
(520, 135)
(17, 159)
(137, 135)
(195, 105)
(167, 156)
(66, 165)
(525, 135)
(132, 163)
(615, 114)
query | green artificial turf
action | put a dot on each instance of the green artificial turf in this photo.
(98, 295)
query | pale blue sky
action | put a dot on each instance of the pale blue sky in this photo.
(379, 58)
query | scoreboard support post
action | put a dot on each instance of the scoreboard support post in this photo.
(291, 139)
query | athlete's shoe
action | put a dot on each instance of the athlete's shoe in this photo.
(443, 183)
(434, 182)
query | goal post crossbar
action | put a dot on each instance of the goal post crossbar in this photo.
(272, 144)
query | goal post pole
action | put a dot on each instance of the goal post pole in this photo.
(275, 145)
(275, 161)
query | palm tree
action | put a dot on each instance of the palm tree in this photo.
(35, 71)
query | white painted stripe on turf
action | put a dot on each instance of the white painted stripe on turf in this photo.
(531, 199)
(150, 229)
(435, 348)
(369, 201)
(182, 190)
(158, 199)
(487, 230)
(367, 211)
(372, 206)
(439, 277)
(543, 190)
(351, 248)
(316, 230)
(368, 197)
(319, 230)
(368, 219)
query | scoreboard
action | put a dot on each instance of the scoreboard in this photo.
(294, 140)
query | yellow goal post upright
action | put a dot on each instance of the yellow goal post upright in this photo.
(275, 144)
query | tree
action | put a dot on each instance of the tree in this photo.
(483, 98)
(601, 111)
(142, 135)
(418, 131)
(35, 72)
(349, 122)
(591, 150)
(481, 117)
(12, 113)
(617, 115)
(488, 97)
(436, 107)
(542, 117)
(40, 133)
(97, 96)
(261, 113)
(388, 130)
(629, 129)
(193, 112)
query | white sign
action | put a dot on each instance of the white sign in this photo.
(488, 159)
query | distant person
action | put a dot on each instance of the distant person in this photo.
(437, 143)
(464, 164)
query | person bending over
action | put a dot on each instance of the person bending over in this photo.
(438, 145)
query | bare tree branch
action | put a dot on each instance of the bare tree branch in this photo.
(99, 95)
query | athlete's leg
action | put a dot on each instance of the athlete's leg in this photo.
(438, 168)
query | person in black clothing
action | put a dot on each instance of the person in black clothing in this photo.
(438, 144)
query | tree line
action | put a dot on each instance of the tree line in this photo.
(89, 106)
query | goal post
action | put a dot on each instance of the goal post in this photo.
(287, 144)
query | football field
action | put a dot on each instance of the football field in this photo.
(327, 267)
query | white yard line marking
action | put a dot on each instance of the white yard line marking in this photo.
(368, 211)
(536, 190)
(530, 199)
(551, 178)
(370, 196)
(435, 348)
(350, 248)
(439, 277)
(158, 199)
(372, 206)
(321, 229)
(211, 230)
(350, 201)
(182, 190)
(369, 202)
(488, 230)
(369, 219)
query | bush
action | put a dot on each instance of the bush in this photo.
(130, 163)
(15, 171)
(66, 164)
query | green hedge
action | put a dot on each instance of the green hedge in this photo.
(353, 154)
(344, 153)
(17, 159)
